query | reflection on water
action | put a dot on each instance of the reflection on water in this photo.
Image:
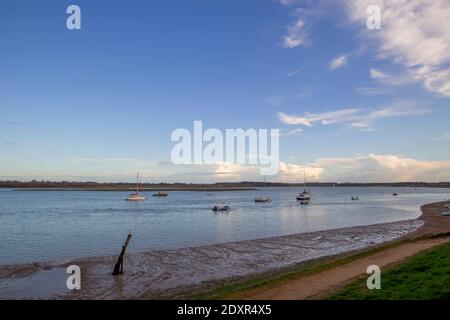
(39, 225)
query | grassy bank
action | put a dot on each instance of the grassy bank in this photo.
(424, 276)
(236, 289)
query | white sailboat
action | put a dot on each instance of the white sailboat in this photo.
(305, 196)
(261, 198)
(135, 196)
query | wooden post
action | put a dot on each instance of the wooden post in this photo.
(118, 269)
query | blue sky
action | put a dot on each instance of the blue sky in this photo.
(100, 103)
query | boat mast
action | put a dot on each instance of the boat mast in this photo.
(137, 182)
(304, 180)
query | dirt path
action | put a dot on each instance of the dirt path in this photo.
(319, 284)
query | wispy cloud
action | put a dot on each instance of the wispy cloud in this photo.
(296, 34)
(109, 161)
(295, 72)
(287, 132)
(280, 100)
(356, 118)
(325, 118)
(415, 36)
(102, 160)
(376, 74)
(288, 2)
(444, 137)
(338, 62)
(371, 91)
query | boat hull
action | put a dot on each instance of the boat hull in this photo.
(135, 198)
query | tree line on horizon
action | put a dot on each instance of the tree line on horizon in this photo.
(33, 184)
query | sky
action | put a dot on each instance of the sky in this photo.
(100, 103)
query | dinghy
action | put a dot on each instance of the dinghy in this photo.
(221, 207)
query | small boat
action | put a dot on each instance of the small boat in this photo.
(261, 198)
(135, 196)
(446, 213)
(355, 198)
(160, 194)
(221, 207)
(395, 194)
(305, 196)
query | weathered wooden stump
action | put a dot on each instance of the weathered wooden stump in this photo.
(118, 269)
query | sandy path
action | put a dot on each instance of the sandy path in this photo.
(318, 284)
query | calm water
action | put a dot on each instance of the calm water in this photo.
(43, 225)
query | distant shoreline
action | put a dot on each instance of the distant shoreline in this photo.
(222, 186)
(140, 189)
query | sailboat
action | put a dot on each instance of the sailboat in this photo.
(305, 196)
(135, 196)
(261, 198)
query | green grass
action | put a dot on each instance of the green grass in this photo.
(425, 276)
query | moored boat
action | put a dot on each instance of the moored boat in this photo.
(305, 196)
(261, 198)
(221, 207)
(135, 196)
(160, 194)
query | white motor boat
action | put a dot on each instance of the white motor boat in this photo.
(261, 199)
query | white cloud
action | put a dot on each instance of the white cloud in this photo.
(383, 168)
(376, 74)
(363, 168)
(338, 62)
(325, 118)
(287, 2)
(415, 34)
(356, 118)
(296, 34)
